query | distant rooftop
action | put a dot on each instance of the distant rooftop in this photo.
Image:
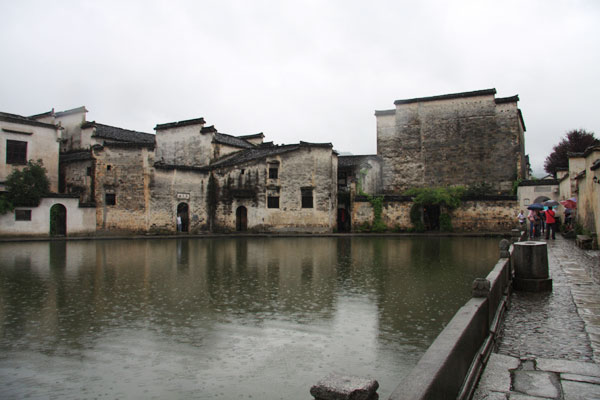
(119, 134)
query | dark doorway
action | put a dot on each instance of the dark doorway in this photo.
(431, 218)
(343, 220)
(183, 218)
(241, 219)
(58, 220)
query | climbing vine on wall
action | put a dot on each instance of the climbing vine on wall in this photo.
(446, 197)
(212, 189)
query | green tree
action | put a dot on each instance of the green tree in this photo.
(575, 141)
(25, 187)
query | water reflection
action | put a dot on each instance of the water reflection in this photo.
(261, 317)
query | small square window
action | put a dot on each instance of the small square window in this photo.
(16, 152)
(22, 215)
(108, 167)
(273, 173)
(242, 171)
(110, 199)
(88, 171)
(307, 197)
(273, 201)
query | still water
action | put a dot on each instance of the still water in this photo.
(233, 318)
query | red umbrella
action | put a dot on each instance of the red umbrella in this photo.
(569, 203)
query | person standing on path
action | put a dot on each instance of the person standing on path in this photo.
(550, 223)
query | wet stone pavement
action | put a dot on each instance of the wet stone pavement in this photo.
(549, 347)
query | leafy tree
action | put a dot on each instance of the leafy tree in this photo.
(25, 187)
(575, 141)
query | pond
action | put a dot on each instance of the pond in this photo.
(231, 318)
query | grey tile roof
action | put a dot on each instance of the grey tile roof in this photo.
(260, 152)
(75, 156)
(230, 140)
(119, 134)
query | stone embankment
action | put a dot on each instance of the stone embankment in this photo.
(549, 347)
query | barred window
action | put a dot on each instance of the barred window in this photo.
(16, 152)
(307, 197)
(273, 201)
(22, 215)
(273, 173)
(110, 199)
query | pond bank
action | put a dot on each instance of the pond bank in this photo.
(237, 234)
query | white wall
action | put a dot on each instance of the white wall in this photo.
(79, 220)
(42, 143)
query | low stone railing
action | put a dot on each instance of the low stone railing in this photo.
(451, 366)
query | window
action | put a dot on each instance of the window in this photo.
(242, 171)
(273, 172)
(16, 152)
(273, 201)
(22, 215)
(108, 167)
(88, 171)
(110, 199)
(307, 197)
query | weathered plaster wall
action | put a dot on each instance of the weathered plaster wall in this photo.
(79, 220)
(77, 179)
(453, 141)
(588, 193)
(125, 172)
(71, 124)
(171, 187)
(184, 145)
(42, 143)
(309, 167)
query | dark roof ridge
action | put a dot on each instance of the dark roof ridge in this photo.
(178, 124)
(591, 149)
(208, 129)
(385, 112)
(255, 135)
(41, 115)
(19, 119)
(484, 92)
(309, 144)
(511, 99)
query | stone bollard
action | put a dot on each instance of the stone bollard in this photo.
(481, 287)
(342, 387)
(504, 248)
(531, 267)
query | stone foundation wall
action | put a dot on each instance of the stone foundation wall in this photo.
(472, 216)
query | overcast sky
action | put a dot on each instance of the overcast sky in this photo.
(300, 70)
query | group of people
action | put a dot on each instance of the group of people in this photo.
(540, 221)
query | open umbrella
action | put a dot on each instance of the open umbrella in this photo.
(569, 203)
(550, 203)
(535, 206)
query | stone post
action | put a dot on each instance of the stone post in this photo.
(531, 267)
(341, 387)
